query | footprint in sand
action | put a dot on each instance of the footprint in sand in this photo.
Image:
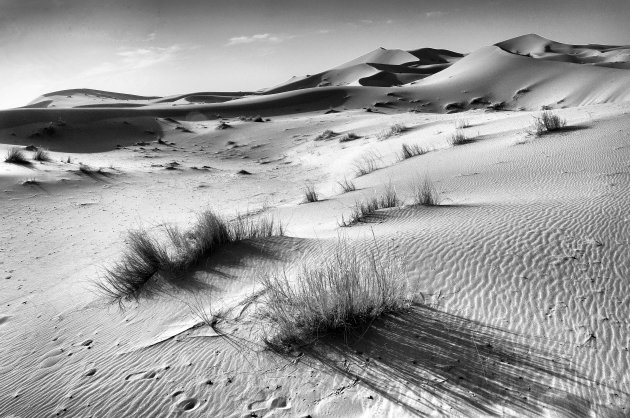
(266, 406)
(187, 404)
(142, 376)
(52, 357)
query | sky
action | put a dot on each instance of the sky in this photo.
(160, 47)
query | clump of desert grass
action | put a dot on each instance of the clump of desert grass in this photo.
(310, 194)
(366, 164)
(347, 185)
(41, 155)
(148, 263)
(410, 151)
(548, 122)
(361, 211)
(326, 135)
(393, 130)
(343, 294)
(462, 124)
(459, 137)
(351, 136)
(16, 156)
(424, 193)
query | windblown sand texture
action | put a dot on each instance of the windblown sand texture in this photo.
(523, 270)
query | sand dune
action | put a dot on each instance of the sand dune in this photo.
(520, 272)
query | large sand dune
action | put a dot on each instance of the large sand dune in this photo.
(521, 270)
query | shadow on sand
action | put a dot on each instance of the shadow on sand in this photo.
(427, 360)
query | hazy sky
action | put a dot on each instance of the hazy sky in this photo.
(160, 47)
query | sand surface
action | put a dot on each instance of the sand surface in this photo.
(523, 270)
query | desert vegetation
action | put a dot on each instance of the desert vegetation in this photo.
(409, 151)
(41, 155)
(326, 135)
(363, 210)
(16, 156)
(424, 193)
(459, 138)
(344, 293)
(347, 185)
(368, 163)
(351, 136)
(310, 194)
(548, 122)
(395, 129)
(148, 264)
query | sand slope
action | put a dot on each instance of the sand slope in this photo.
(522, 269)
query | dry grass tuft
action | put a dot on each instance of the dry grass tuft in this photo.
(344, 293)
(363, 210)
(409, 151)
(326, 135)
(351, 136)
(460, 138)
(16, 156)
(41, 155)
(310, 194)
(425, 193)
(395, 129)
(548, 122)
(347, 185)
(147, 264)
(368, 163)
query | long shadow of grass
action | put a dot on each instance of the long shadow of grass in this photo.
(428, 360)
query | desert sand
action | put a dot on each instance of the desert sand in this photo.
(522, 271)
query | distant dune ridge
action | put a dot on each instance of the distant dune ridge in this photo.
(524, 73)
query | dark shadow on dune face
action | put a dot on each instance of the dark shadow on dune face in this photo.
(429, 360)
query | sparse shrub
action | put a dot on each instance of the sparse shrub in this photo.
(343, 293)
(86, 169)
(41, 155)
(409, 151)
(310, 194)
(497, 106)
(460, 138)
(395, 129)
(347, 185)
(425, 193)
(362, 210)
(147, 264)
(16, 156)
(366, 164)
(326, 135)
(548, 122)
(351, 136)
(462, 124)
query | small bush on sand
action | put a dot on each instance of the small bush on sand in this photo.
(347, 185)
(326, 135)
(460, 138)
(395, 129)
(462, 124)
(363, 210)
(351, 136)
(41, 155)
(148, 264)
(409, 151)
(366, 164)
(425, 193)
(548, 122)
(16, 156)
(342, 294)
(310, 194)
